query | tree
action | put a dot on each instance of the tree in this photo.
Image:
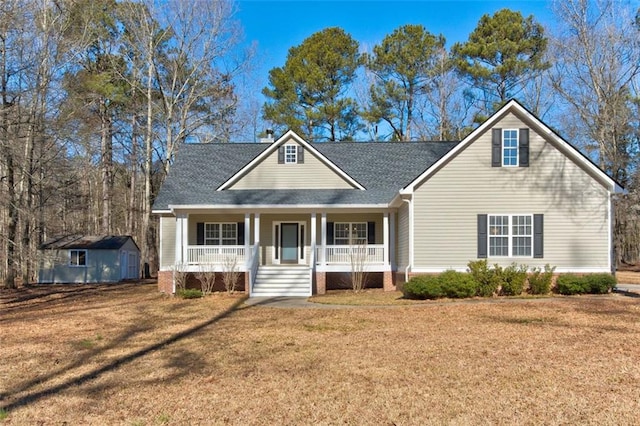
(309, 93)
(405, 64)
(502, 54)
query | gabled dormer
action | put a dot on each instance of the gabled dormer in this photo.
(290, 163)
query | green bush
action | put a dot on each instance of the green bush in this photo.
(540, 281)
(588, 284)
(512, 279)
(423, 287)
(569, 284)
(599, 283)
(189, 293)
(457, 285)
(487, 281)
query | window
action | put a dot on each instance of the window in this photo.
(352, 233)
(220, 234)
(510, 147)
(510, 236)
(77, 258)
(290, 154)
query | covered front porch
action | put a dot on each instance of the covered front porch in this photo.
(283, 241)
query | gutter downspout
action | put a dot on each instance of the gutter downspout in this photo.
(409, 266)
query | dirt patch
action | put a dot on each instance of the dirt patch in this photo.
(128, 355)
(628, 277)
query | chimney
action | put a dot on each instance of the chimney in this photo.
(268, 138)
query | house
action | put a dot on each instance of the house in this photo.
(295, 215)
(89, 259)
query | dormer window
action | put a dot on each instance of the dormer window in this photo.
(290, 154)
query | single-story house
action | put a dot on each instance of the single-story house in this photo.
(294, 215)
(89, 259)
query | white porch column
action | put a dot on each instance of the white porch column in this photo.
(323, 238)
(312, 243)
(256, 228)
(181, 238)
(392, 239)
(247, 237)
(385, 233)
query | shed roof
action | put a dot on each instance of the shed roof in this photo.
(88, 242)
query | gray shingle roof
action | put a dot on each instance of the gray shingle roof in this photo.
(93, 242)
(383, 168)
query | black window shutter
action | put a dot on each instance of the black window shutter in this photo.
(302, 242)
(277, 242)
(496, 148)
(371, 232)
(240, 233)
(329, 233)
(200, 233)
(523, 148)
(281, 155)
(482, 236)
(300, 154)
(538, 236)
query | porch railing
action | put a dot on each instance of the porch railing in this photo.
(345, 255)
(215, 254)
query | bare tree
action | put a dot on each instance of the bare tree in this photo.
(207, 277)
(230, 273)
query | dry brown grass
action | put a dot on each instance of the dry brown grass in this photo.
(628, 277)
(127, 355)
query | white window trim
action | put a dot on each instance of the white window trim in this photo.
(517, 148)
(509, 235)
(86, 258)
(351, 242)
(293, 155)
(220, 238)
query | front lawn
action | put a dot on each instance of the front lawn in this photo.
(127, 355)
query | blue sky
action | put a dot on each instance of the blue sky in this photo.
(278, 25)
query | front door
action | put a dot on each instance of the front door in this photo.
(289, 242)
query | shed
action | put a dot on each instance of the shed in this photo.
(89, 259)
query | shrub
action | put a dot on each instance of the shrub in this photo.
(487, 281)
(540, 281)
(588, 284)
(569, 284)
(423, 287)
(599, 283)
(457, 285)
(189, 293)
(512, 279)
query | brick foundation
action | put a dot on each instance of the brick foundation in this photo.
(387, 281)
(321, 283)
(165, 282)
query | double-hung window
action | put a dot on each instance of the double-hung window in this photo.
(290, 154)
(220, 234)
(510, 147)
(510, 235)
(77, 258)
(350, 233)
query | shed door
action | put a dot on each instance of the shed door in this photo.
(124, 268)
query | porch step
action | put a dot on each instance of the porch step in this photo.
(283, 280)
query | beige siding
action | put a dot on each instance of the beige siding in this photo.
(403, 236)
(312, 174)
(168, 242)
(574, 205)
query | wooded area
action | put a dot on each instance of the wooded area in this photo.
(96, 98)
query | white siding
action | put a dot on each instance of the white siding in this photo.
(312, 174)
(574, 204)
(168, 243)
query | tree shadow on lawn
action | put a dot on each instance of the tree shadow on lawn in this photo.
(45, 296)
(32, 396)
